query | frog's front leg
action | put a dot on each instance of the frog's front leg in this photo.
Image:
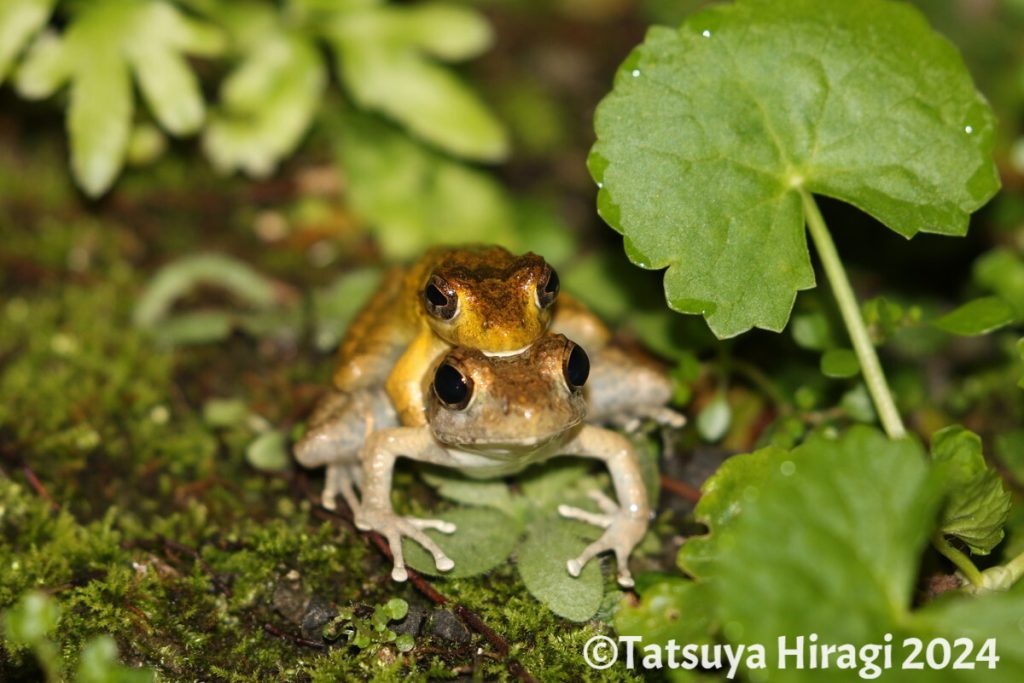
(405, 383)
(376, 513)
(626, 523)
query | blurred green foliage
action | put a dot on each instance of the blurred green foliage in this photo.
(386, 58)
(143, 483)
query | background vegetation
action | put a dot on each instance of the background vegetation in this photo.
(169, 304)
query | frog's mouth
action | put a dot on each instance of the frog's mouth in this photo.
(504, 448)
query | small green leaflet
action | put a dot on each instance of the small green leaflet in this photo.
(980, 316)
(268, 102)
(386, 57)
(715, 418)
(1002, 271)
(105, 44)
(976, 504)
(483, 539)
(541, 560)
(713, 132)
(839, 363)
(20, 20)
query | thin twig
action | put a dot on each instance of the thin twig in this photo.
(680, 489)
(37, 485)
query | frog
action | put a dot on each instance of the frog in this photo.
(473, 296)
(492, 416)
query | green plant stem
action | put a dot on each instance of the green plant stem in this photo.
(1015, 568)
(962, 562)
(850, 310)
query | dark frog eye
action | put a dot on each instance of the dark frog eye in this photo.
(452, 387)
(576, 366)
(440, 299)
(547, 288)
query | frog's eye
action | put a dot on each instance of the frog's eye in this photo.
(440, 299)
(547, 288)
(452, 387)
(575, 366)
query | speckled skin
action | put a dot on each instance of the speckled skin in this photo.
(395, 341)
(522, 411)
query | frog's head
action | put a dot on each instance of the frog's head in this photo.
(504, 406)
(488, 298)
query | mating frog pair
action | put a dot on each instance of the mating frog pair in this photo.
(403, 390)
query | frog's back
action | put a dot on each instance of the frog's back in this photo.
(387, 324)
(377, 335)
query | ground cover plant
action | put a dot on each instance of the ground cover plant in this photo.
(197, 195)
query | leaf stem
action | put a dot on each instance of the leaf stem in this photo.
(962, 562)
(1015, 569)
(850, 310)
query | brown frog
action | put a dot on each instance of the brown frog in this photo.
(492, 416)
(477, 297)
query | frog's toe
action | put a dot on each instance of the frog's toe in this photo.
(575, 566)
(327, 499)
(625, 578)
(394, 539)
(410, 529)
(669, 417)
(599, 520)
(607, 505)
(436, 524)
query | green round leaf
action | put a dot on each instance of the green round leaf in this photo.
(396, 609)
(99, 664)
(812, 331)
(405, 642)
(839, 363)
(1002, 271)
(714, 419)
(19, 21)
(484, 538)
(713, 132)
(268, 453)
(32, 618)
(670, 608)
(980, 316)
(836, 537)
(735, 485)
(549, 544)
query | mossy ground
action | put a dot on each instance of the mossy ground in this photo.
(145, 522)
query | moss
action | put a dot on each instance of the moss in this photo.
(145, 523)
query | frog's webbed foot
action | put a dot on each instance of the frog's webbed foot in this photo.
(623, 531)
(393, 528)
